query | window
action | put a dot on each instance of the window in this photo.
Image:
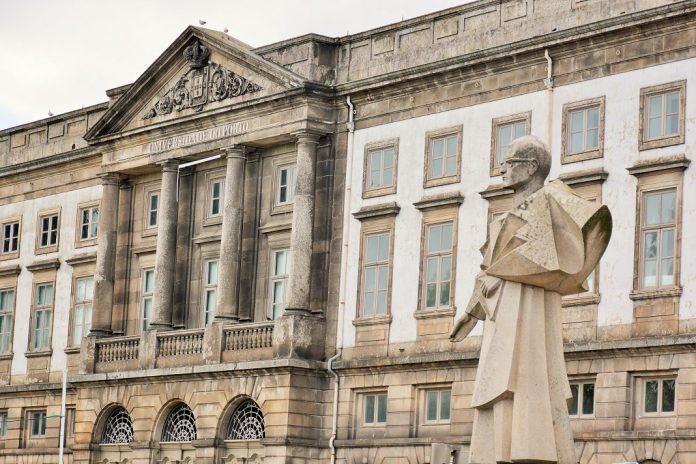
(657, 267)
(10, 238)
(505, 131)
(375, 409)
(280, 265)
(148, 288)
(215, 208)
(379, 175)
(583, 130)
(583, 399)
(152, 206)
(6, 319)
(285, 187)
(82, 311)
(48, 231)
(442, 157)
(662, 115)
(118, 428)
(36, 424)
(180, 425)
(210, 291)
(3, 424)
(43, 315)
(438, 265)
(437, 406)
(659, 396)
(246, 422)
(89, 219)
(375, 271)
(69, 426)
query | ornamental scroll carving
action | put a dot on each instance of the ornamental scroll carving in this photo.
(204, 83)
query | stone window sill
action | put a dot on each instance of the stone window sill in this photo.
(9, 256)
(580, 300)
(435, 313)
(6, 356)
(212, 220)
(38, 354)
(640, 295)
(86, 242)
(581, 156)
(9, 271)
(150, 232)
(374, 320)
(72, 350)
(284, 208)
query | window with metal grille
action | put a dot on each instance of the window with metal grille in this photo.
(246, 422)
(118, 428)
(180, 425)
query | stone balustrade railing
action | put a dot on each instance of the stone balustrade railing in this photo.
(117, 349)
(180, 343)
(248, 336)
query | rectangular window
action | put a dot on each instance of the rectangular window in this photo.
(658, 239)
(505, 131)
(662, 110)
(48, 235)
(663, 115)
(3, 424)
(43, 316)
(583, 399)
(443, 152)
(10, 237)
(582, 130)
(285, 187)
(215, 208)
(375, 409)
(280, 266)
(659, 396)
(210, 291)
(82, 311)
(146, 299)
(6, 319)
(437, 406)
(89, 219)
(152, 208)
(380, 168)
(69, 426)
(438, 265)
(37, 424)
(375, 274)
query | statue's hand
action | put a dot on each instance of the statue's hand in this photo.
(489, 285)
(462, 328)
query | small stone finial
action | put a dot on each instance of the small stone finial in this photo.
(197, 55)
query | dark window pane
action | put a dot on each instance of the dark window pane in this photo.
(668, 395)
(573, 408)
(369, 409)
(651, 396)
(382, 409)
(588, 398)
(445, 398)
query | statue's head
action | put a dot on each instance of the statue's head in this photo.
(527, 160)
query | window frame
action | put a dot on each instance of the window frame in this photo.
(571, 157)
(11, 312)
(11, 254)
(212, 177)
(29, 422)
(291, 189)
(642, 229)
(496, 123)
(207, 287)
(272, 278)
(51, 247)
(4, 420)
(34, 309)
(73, 304)
(90, 240)
(642, 380)
(430, 137)
(148, 209)
(362, 405)
(581, 382)
(142, 295)
(644, 141)
(374, 147)
(424, 392)
(426, 255)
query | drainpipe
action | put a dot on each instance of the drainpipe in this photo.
(61, 435)
(344, 268)
(548, 82)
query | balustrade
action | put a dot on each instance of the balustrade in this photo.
(117, 349)
(248, 336)
(180, 343)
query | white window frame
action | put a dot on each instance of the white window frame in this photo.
(216, 200)
(439, 256)
(501, 148)
(91, 224)
(663, 114)
(375, 398)
(210, 287)
(145, 297)
(39, 314)
(643, 391)
(581, 396)
(375, 266)
(6, 319)
(82, 305)
(280, 279)
(51, 234)
(11, 232)
(439, 392)
(290, 184)
(32, 416)
(445, 156)
(149, 210)
(660, 228)
(585, 129)
(3, 424)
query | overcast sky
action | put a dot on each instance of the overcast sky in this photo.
(60, 55)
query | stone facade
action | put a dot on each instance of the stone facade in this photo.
(237, 197)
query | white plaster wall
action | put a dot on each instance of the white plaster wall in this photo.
(620, 152)
(29, 210)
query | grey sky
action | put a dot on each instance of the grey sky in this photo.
(62, 55)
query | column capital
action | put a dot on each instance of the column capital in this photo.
(110, 178)
(307, 136)
(234, 151)
(169, 165)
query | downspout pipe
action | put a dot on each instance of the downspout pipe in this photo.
(344, 269)
(548, 82)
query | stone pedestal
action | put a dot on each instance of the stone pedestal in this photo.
(298, 335)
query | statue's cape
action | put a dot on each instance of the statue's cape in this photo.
(553, 240)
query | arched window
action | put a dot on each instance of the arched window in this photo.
(118, 428)
(246, 422)
(180, 425)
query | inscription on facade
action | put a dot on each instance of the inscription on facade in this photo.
(198, 137)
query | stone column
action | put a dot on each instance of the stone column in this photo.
(183, 244)
(122, 266)
(106, 257)
(301, 237)
(165, 258)
(231, 240)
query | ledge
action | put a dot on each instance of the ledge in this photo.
(202, 239)
(495, 190)
(417, 441)
(38, 354)
(144, 249)
(82, 259)
(583, 300)
(679, 162)
(7, 271)
(374, 320)
(6, 356)
(381, 209)
(434, 313)
(270, 228)
(640, 295)
(440, 199)
(584, 176)
(43, 265)
(72, 350)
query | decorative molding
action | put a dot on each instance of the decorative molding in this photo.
(44, 265)
(206, 82)
(7, 271)
(141, 250)
(38, 354)
(381, 209)
(82, 259)
(640, 295)
(495, 190)
(580, 177)
(580, 300)
(271, 228)
(440, 199)
(680, 162)
(434, 313)
(374, 320)
(201, 239)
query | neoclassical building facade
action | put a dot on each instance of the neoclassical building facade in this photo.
(257, 254)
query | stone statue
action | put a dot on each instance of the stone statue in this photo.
(545, 247)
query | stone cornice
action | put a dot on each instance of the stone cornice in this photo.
(494, 191)
(48, 161)
(6, 271)
(44, 265)
(439, 199)
(581, 177)
(382, 209)
(82, 259)
(647, 166)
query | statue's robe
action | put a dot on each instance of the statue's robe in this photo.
(543, 249)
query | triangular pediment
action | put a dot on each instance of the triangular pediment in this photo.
(202, 70)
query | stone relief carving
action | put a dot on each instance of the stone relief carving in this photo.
(204, 83)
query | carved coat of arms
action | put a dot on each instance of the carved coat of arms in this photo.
(205, 82)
